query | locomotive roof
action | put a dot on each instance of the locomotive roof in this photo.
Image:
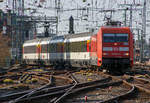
(57, 37)
(36, 40)
(45, 39)
(72, 36)
(33, 40)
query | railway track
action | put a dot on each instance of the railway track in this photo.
(109, 91)
(141, 93)
(19, 84)
(60, 92)
(140, 82)
(60, 95)
(81, 86)
(51, 82)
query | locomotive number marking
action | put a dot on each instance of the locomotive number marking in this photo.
(116, 49)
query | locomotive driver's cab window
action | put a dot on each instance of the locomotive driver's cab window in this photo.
(109, 37)
(121, 37)
(115, 38)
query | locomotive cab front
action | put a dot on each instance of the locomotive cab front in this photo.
(116, 50)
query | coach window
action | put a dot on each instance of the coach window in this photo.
(55, 47)
(52, 48)
(42, 48)
(76, 46)
(59, 47)
(72, 47)
(64, 48)
(68, 47)
(80, 47)
(85, 46)
(30, 49)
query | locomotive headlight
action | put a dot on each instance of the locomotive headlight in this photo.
(126, 54)
(105, 53)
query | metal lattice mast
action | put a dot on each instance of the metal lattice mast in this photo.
(143, 37)
(57, 7)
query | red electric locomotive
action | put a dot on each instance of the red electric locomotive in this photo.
(113, 47)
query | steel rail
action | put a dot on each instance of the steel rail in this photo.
(61, 97)
(140, 86)
(136, 87)
(60, 92)
(130, 92)
(55, 91)
(32, 92)
(15, 95)
(13, 85)
(93, 87)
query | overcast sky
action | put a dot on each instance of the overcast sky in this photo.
(84, 19)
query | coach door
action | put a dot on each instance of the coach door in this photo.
(67, 50)
(48, 50)
(38, 50)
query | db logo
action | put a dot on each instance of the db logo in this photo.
(116, 49)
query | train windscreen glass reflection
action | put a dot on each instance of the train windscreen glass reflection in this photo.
(115, 37)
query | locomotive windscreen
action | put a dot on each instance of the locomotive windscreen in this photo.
(115, 37)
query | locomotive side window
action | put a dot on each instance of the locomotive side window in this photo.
(115, 38)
